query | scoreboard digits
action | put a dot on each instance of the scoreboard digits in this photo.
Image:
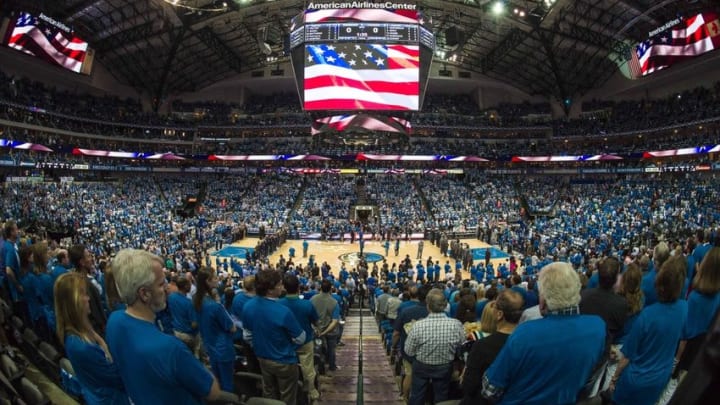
(398, 33)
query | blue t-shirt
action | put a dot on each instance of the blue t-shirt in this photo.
(215, 325)
(650, 347)
(12, 260)
(238, 304)
(99, 379)
(304, 312)
(156, 368)
(45, 283)
(479, 308)
(532, 367)
(701, 310)
(414, 312)
(183, 313)
(405, 304)
(594, 280)
(648, 287)
(273, 326)
(31, 294)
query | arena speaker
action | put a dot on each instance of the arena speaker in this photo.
(454, 37)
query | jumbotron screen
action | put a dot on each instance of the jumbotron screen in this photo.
(49, 40)
(365, 57)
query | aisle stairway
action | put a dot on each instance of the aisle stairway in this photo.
(379, 384)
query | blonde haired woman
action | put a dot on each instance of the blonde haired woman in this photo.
(85, 348)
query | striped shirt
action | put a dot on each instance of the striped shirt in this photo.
(434, 340)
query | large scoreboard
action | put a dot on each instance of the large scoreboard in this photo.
(361, 56)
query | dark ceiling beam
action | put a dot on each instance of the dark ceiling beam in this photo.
(212, 41)
(133, 35)
(640, 10)
(593, 17)
(160, 90)
(594, 38)
(546, 40)
(76, 11)
(512, 39)
(529, 78)
(134, 77)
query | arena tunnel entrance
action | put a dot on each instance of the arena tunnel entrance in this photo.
(364, 213)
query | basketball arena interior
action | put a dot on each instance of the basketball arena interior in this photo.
(360, 202)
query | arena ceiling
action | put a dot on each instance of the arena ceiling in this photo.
(162, 49)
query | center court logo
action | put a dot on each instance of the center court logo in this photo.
(355, 257)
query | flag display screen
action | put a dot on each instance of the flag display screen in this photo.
(353, 76)
(49, 40)
(683, 39)
(363, 14)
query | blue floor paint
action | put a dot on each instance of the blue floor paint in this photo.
(495, 253)
(236, 252)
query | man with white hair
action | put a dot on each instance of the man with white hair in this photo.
(156, 368)
(549, 360)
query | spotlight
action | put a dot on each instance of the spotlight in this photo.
(521, 13)
(498, 8)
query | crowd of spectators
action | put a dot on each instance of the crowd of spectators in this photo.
(541, 194)
(452, 204)
(596, 214)
(254, 200)
(399, 203)
(325, 206)
(443, 116)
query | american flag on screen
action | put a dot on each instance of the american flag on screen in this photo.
(360, 14)
(52, 44)
(339, 123)
(690, 38)
(362, 77)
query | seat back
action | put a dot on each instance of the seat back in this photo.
(32, 393)
(49, 352)
(30, 337)
(248, 385)
(11, 370)
(18, 323)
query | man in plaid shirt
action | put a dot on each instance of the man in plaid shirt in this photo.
(433, 342)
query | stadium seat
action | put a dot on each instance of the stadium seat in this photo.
(48, 361)
(12, 370)
(31, 393)
(248, 385)
(18, 323)
(30, 338)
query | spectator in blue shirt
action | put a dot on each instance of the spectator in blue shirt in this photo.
(156, 368)
(703, 304)
(216, 329)
(549, 360)
(274, 333)
(660, 255)
(646, 364)
(90, 357)
(236, 310)
(184, 316)
(12, 270)
(307, 316)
